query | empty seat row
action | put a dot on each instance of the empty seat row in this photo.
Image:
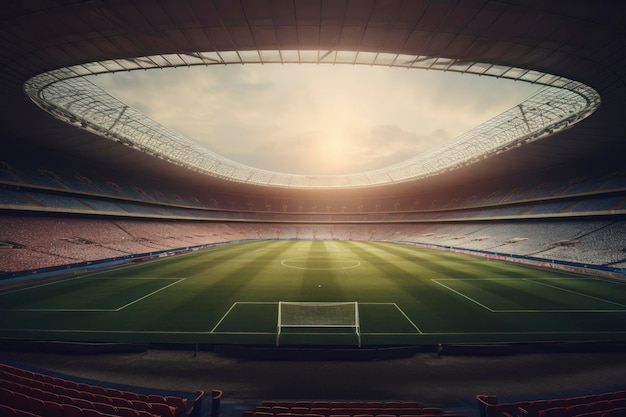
(6, 411)
(304, 408)
(326, 411)
(580, 409)
(43, 381)
(53, 389)
(264, 414)
(490, 407)
(338, 404)
(20, 404)
(86, 400)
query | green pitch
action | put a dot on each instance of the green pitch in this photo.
(405, 295)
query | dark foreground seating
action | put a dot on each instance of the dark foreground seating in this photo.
(609, 404)
(27, 393)
(346, 409)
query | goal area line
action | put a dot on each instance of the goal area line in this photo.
(243, 318)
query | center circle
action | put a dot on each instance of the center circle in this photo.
(308, 262)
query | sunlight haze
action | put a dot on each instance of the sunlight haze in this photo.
(315, 119)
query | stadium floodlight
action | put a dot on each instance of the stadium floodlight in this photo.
(319, 315)
(68, 95)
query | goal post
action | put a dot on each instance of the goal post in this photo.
(292, 314)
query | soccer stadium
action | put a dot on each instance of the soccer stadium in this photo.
(145, 274)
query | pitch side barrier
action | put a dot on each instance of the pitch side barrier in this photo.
(574, 267)
(90, 266)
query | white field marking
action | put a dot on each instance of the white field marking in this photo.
(407, 317)
(84, 277)
(356, 264)
(273, 333)
(522, 311)
(128, 278)
(61, 310)
(104, 331)
(30, 287)
(575, 292)
(436, 281)
(94, 310)
(149, 295)
(527, 333)
(223, 317)
(276, 303)
(559, 311)
(323, 251)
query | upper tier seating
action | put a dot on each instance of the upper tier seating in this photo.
(48, 174)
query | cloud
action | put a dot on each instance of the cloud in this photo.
(315, 119)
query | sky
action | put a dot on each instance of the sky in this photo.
(315, 119)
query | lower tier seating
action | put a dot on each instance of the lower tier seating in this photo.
(346, 409)
(23, 392)
(609, 404)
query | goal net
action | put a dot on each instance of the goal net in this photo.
(318, 315)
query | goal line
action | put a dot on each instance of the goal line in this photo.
(292, 314)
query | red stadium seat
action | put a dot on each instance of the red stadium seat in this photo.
(7, 411)
(64, 399)
(92, 413)
(615, 412)
(618, 403)
(129, 395)
(36, 406)
(49, 396)
(87, 395)
(127, 412)
(142, 397)
(102, 398)
(113, 392)
(71, 411)
(105, 408)
(180, 404)
(6, 396)
(20, 401)
(552, 412)
(22, 413)
(82, 403)
(121, 402)
(53, 409)
(153, 398)
(97, 389)
(598, 406)
(141, 405)
(164, 410)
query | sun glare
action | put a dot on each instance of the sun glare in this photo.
(315, 119)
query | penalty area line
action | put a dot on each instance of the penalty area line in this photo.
(407, 317)
(463, 295)
(232, 307)
(149, 295)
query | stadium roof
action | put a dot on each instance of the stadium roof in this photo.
(580, 41)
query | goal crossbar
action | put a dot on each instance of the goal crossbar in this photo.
(318, 315)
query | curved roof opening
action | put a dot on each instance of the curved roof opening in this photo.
(335, 132)
(314, 119)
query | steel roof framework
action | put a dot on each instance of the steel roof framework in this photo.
(68, 95)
